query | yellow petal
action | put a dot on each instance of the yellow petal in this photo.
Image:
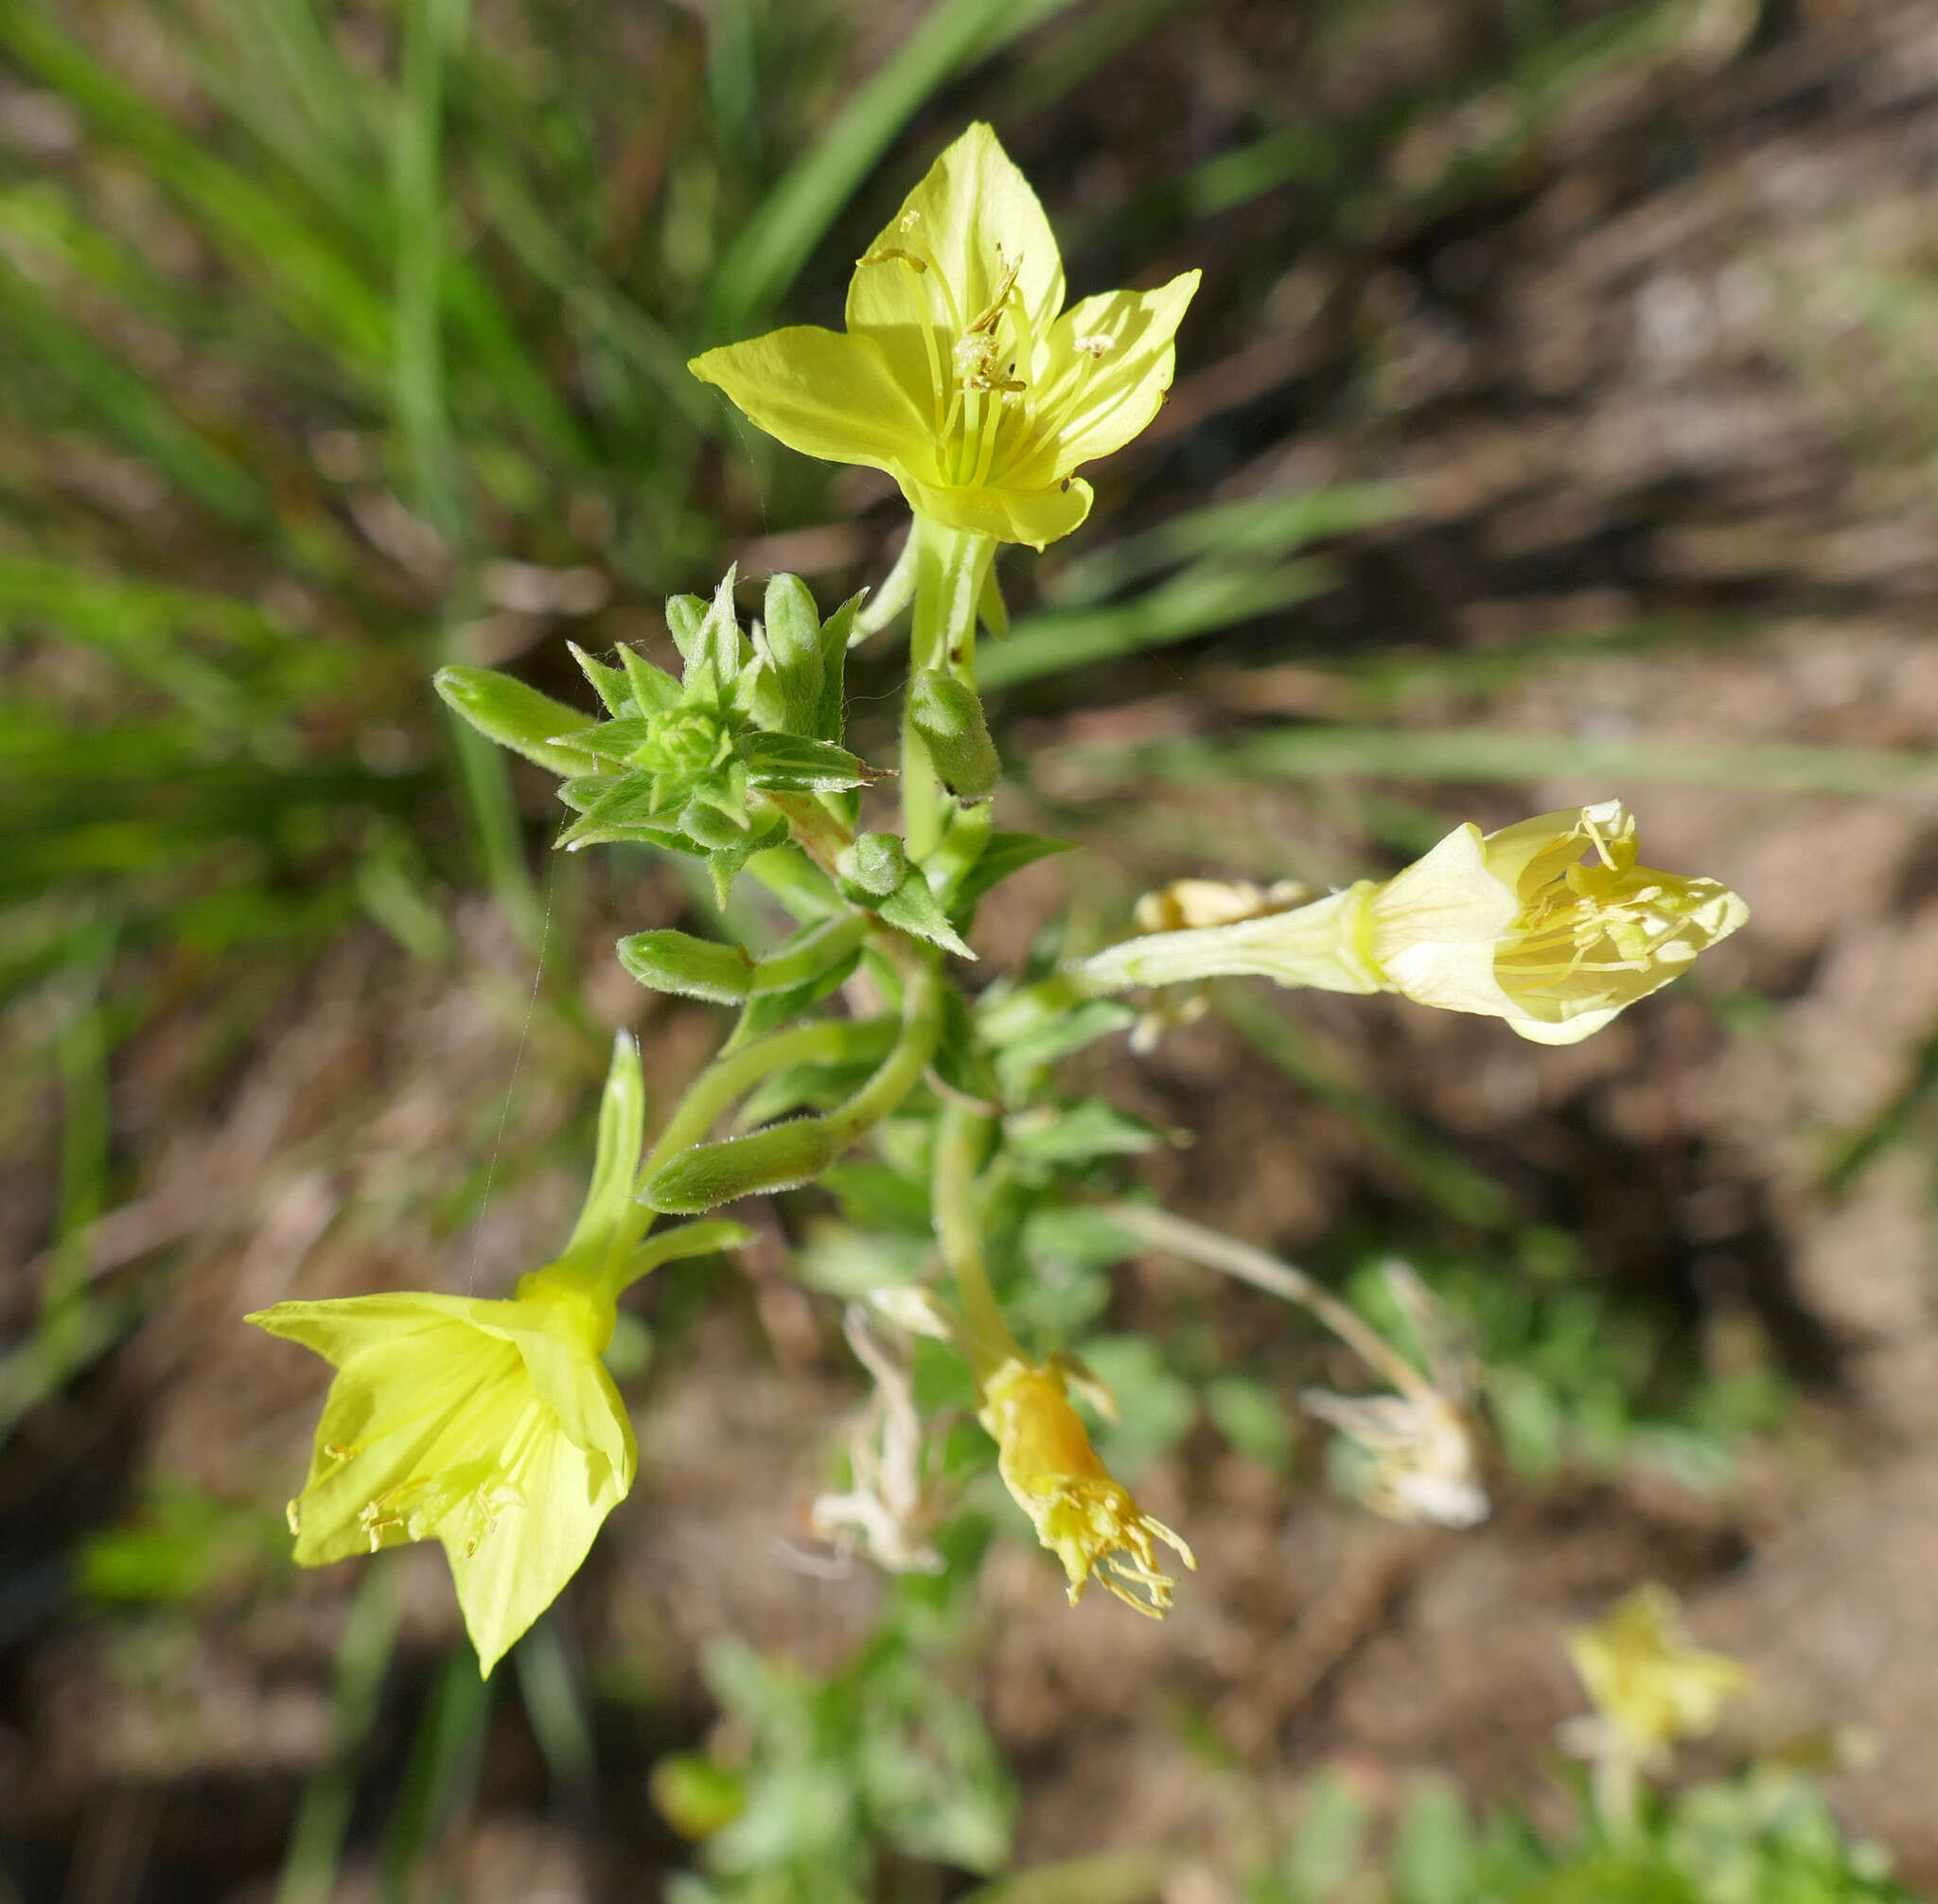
(972, 217)
(337, 1328)
(1037, 516)
(823, 394)
(512, 1562)
(1123, 343)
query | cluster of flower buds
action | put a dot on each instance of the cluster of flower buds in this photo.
(693, 765)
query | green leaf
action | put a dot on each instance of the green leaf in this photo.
(1077, 1133)
(913, 908)
(653, 689)
(787, 762)
(1252, 1419)
(516, 716)
(611, 684)
(1002, 854)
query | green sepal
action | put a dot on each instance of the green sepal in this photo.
(692, 968)
(706, 1175)
(516, 716)
(948, 714)
(608, 1220)
(913, 908)
(688, 1240)
(788, 763)
(609, 683)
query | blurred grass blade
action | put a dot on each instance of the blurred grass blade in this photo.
(323, 1813)
(320, 289)
(796, 212)
(1256, 527)
(439, 1782)
(127, 404)
(1496, 756)
(535, 238)
(433, 29)
(1209, 595)
(555, 1703)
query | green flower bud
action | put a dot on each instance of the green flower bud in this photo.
(948, 716)
(875, 865)
(513, 714)
(781, 1158)
(695, 968)
(792, 641)
(706, 825)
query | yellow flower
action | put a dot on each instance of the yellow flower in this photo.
(491, 1426)
(960, 373)
(1549, 923)
(1085, 1518)
(1649, 1685)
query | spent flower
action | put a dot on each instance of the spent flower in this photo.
(960, 373)
(1651, 1687)
(1550, 924)
(1082, 1514)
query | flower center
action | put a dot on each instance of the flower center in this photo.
(986, 415)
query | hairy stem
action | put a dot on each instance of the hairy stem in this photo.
(1249, 1264)
(961, 1140)
(951, 568)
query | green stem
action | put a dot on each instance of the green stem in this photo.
(901, 1071)
(830, 943)
(961, 1142)
(1216, 1250)
(951, 567)
(709, 1094)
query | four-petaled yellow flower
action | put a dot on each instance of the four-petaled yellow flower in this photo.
(960, 373)
(1083, 1515)
(491, 1426)
(1550, 924)
(1649, 1685)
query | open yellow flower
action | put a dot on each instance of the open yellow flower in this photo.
(491, 1426)
(1083, 1515)
(1649, 1685)
(960, 373)
(1550, 924)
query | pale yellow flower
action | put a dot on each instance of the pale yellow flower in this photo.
(1550, 924)
(1080, 1513)
(961, 374)
(1650, 1686)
